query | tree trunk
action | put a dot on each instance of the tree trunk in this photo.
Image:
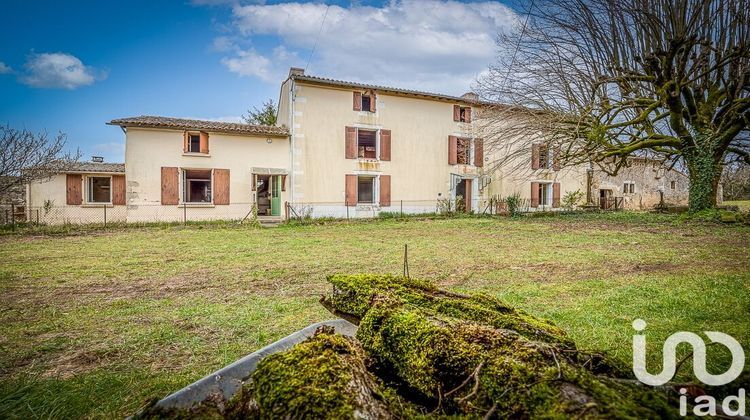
(704, 170)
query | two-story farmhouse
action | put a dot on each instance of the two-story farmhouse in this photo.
(339, 149)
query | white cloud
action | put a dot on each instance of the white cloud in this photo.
(4, 68)
(58, 70)
(424, 44)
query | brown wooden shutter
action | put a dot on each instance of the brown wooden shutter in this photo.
(185, 141)
(534, 156)
(351, 142)
(452, 150)
(478, 153)
(534, 194)
(283, 182)
(467, 199)
(468, 115)
(373, 100)
(73, 193)
(169, 186)
(556, 194)
(351, 190)
(204, 142)
(385, 145)
(357, 105)
(221, 187)
(556, 159)
(385, 190)
(456, 113)
(118, 190)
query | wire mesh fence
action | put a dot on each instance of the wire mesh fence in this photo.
(107, 214)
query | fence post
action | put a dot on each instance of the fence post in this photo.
(346, 204)
(402, 208)
(184, 214)
(37, 217)
(13, 216)
(105, 214)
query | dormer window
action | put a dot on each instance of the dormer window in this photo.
(364, 101)
(462, 113)
(195, 142)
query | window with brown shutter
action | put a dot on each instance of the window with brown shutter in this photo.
(185, 142)
(478, 153)
(118, 190)
(452, 150)
(385, 190)
(556, 159)
(463, 151)
(535, 156)
(350, 142)
(169, 186)
(461, 113)
(367, 144)
(221, 187)
(385, 145)
(456, 113)
(73, 193)
(357, 101)
(351, 190)
(373, 100)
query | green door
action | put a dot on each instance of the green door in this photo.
(276, 195)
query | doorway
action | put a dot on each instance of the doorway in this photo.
(605, 199)
(463, 190)
(268, 195)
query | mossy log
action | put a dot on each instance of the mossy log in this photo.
(473, 355)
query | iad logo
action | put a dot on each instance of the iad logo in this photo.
(704, 405)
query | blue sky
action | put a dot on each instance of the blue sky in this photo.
(73, 66)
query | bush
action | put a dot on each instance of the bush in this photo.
(513, 203)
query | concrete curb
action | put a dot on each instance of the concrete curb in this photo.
(226, 381)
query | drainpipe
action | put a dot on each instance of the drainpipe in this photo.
(293, 176)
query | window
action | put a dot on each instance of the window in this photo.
(628, 188)
(461, 113)
(544, 194)
(672, 185)
(365, 189)
(196, 187)
(462, 117)
(366, 144)
(545, 157)
(194, 143)
(99, 190)
(366, 103)
(463, 151)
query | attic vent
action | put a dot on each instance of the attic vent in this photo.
(97, 159)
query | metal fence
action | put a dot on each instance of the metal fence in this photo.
(106, 214)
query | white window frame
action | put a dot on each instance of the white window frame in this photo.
(88, 189)
(547, 203)
(375, 189)
(190, 135)
(183, 185)
(630, 189)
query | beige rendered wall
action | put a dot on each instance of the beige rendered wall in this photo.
(55, 190)
(418, 167)
(148, 150)
(649, 179)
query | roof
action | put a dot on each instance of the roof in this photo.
(187, 124)
(95, 167)
(398, 91)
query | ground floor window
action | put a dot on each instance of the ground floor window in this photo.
(365, 189)
(196, 185)
(628, 188)
(545, 195)
(99, 189)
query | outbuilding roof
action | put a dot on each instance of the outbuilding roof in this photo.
(95, 167)
(188, 124)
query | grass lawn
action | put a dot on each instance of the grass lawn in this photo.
(744, 205)
(96, 324)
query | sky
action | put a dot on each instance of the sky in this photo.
(72, 66)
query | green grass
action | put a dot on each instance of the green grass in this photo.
(95, 323)
(744, 205)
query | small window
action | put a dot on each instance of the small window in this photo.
(99, 190)
(365, 189)
(194, 143)
(463, 152)
(196, 186)
(366, 144)
(672, 185)
(628, 188)
(366, 103)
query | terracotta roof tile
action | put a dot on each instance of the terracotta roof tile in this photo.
(95, 167)
(211, 126)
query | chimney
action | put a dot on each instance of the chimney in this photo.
(97, 159)
(296, 71)
(470, 96)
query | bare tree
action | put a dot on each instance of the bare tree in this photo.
(265, 115)
(604, 80)
(26, 157)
